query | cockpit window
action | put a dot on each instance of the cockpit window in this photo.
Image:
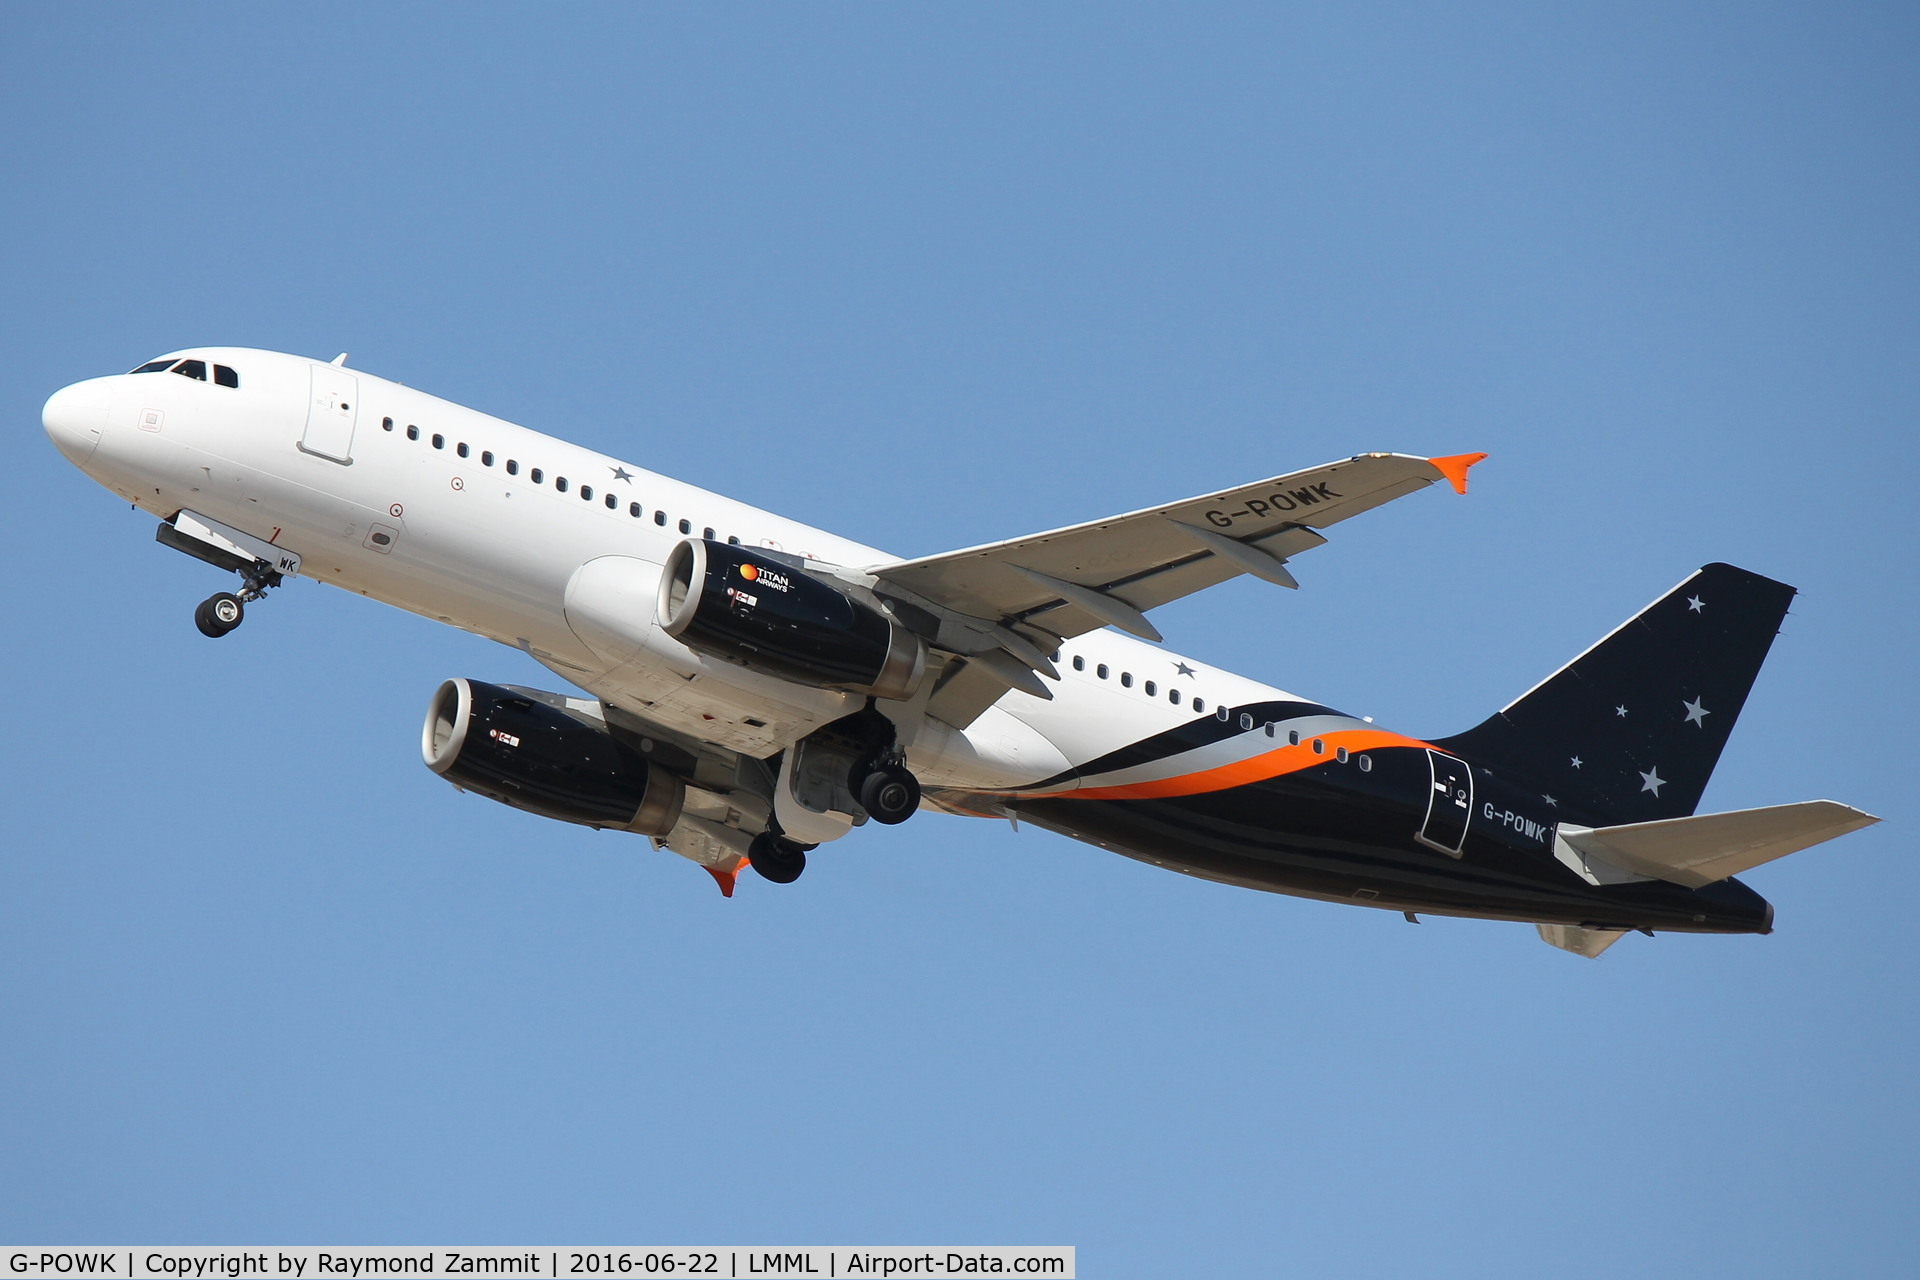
(192, 369)
(155, 366)
(225, 376)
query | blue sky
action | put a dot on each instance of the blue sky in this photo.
(930, 277)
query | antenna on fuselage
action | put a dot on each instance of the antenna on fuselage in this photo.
(340, 360)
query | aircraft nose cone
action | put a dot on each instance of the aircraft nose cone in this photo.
(74, 417)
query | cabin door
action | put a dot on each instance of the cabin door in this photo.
(331, 412)
(1449, 803)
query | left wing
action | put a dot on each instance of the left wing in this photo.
(1008, 605)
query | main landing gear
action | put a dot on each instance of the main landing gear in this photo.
(777, 858)
(852, 770)
(889, 793)
(224, 610)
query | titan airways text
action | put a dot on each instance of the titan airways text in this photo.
(748, 688)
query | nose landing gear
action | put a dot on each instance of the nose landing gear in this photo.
(260, 564)
(218, 614)
(222, 611)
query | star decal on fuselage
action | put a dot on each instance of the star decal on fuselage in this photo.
(1551, 802)
(1576, 762)
(1182, 669)
(1696, 605)
(1696, 714)
(621, 473)
(1652, 781)
(1620, 711)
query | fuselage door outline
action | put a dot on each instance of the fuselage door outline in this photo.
(331, 411)
(1449, 804)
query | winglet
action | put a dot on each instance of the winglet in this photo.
(724, 878)
(1454, 468)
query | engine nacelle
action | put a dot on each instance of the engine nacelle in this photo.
(735, 604)
(525, 748)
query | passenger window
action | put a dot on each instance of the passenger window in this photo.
(1270, 728)
(486, 457)
(707, 534)
(560, 483)
(513, 466)
(633, 509)
(1149, 689)
(659, 517)
(1340, 754)
(612, 502)
(1199, 706)
(413, 432)
(686, 526)
(1101, 671)
(1222, 714)
(1126, 679)
(536, 475)
(1173, 696)
(1246, 721)
(226, 377)
(439, 441)
(156, 366)
(586, 493)
(1319, 747)
(732, 541)
(386, 424)
(1079, 663)
(196, 369)
(461, 448)
(1293, 737)
(1366, 764)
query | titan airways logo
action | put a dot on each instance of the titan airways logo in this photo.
(1272, 504)
(766, 577)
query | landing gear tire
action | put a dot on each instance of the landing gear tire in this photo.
(890, 795)
(219, 614)
(777, 858)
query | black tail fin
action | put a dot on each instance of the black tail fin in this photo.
(1630, 730)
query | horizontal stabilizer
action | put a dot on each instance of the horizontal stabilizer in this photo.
(1708, 847)
(1581, 941)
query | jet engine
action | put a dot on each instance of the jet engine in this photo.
(771, 617)
(546, 754)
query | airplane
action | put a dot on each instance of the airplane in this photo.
(755, 688)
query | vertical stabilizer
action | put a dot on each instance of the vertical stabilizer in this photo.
(1631, 729)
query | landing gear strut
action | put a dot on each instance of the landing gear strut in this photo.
(222, 611)
(777, 858)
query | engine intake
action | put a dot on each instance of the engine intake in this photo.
(525, 748)
(770, 617)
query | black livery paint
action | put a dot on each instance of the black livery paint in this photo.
(1384, 835)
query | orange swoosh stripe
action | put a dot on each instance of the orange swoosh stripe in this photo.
(1268, 764)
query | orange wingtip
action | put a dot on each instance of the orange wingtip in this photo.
(1454, 468)
(724, 878)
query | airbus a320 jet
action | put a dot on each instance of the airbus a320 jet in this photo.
(755, 688)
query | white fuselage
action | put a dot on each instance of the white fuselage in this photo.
(508, 533)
